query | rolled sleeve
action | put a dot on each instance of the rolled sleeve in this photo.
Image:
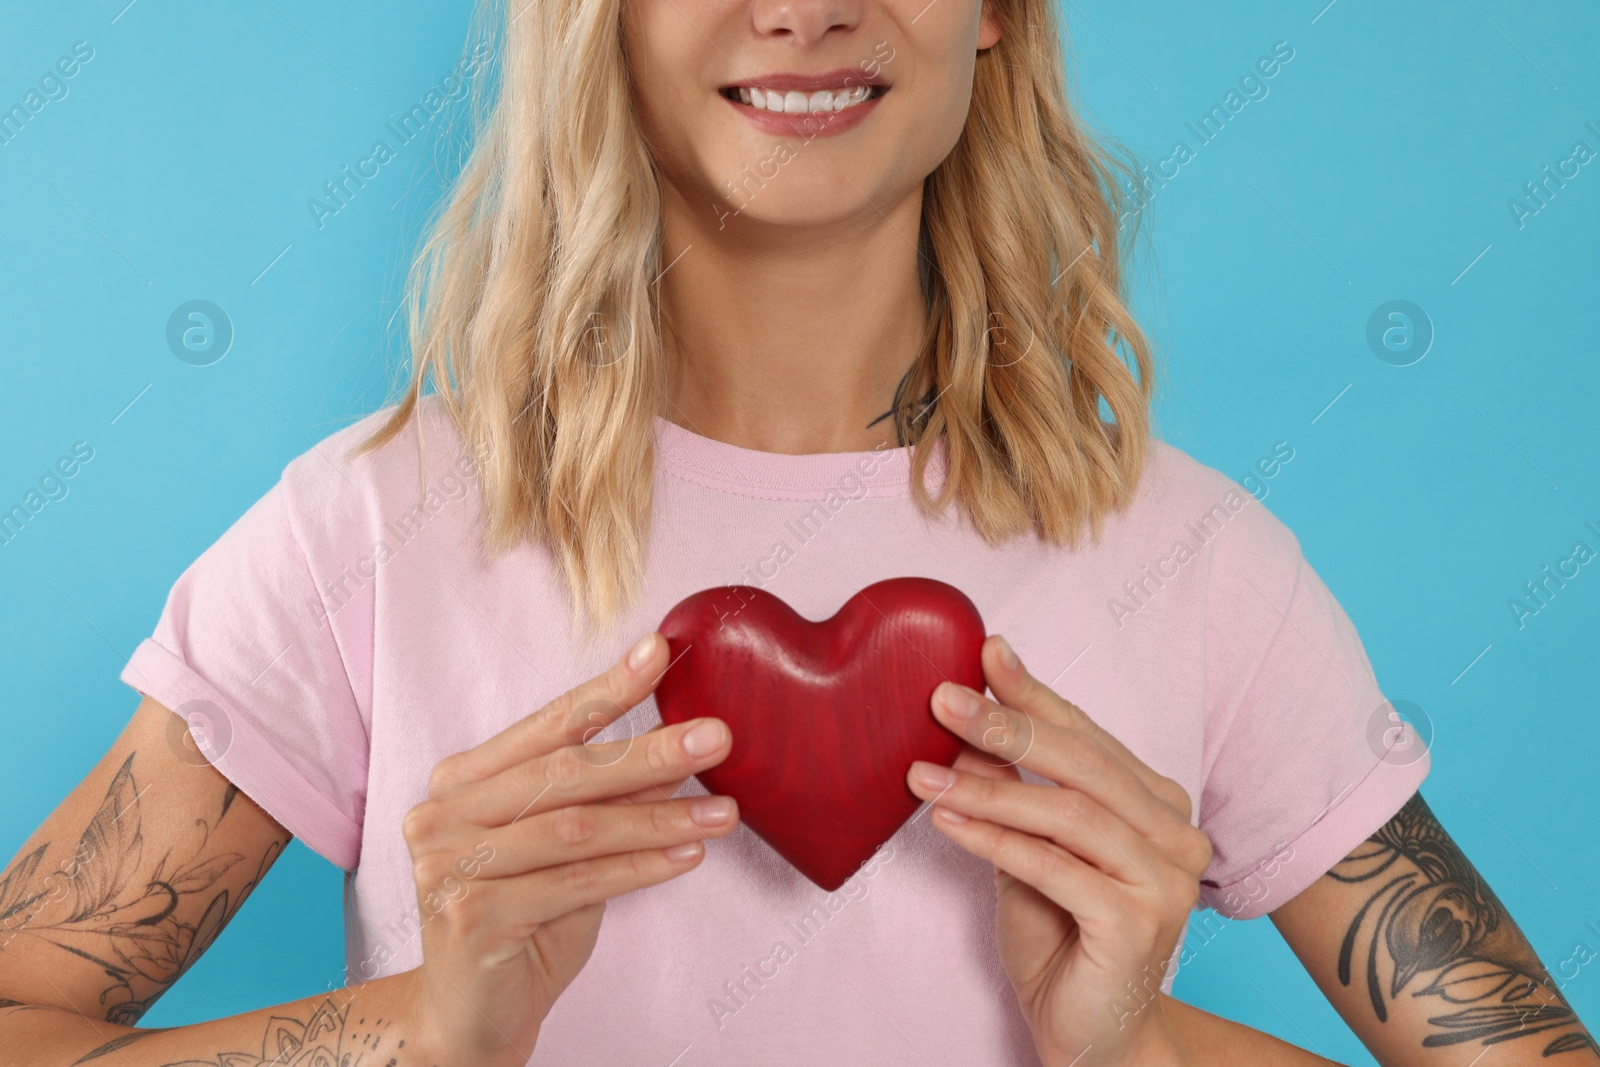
(1306, 758)
(245, 652)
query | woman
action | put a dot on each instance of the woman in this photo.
(800, 295)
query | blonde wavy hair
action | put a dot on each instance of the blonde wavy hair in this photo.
(532, 312)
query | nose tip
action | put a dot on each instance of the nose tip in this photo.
(804, 21)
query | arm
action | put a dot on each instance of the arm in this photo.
(1419, 956)
(324, 1029)
(1204, 1040)
(123, 888)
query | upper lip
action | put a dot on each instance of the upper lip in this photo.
(829, 79)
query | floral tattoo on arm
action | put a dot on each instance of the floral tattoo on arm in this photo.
(104, 905)
(1433, 928)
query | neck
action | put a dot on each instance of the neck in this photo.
(794, 338)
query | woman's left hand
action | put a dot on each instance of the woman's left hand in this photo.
(1096, 875)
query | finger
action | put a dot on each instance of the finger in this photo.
(976, 761)
(585, 831)
(1074, 885)
(577, 774)
(1015, 687)
(665, 791)
(524, 902)
(574, 717)
(1059, 753)
(1077, 822)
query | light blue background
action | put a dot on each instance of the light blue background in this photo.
(1378, 167)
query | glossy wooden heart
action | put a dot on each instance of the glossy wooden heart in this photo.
(826, 716)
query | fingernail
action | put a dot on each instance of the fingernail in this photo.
(639, 654)
(951, 816)
(962, 702)
(684, 852)
(1008, 657)
(711, 811)
(705, 738)
(933, 776)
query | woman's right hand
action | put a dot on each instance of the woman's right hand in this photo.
(524, 838)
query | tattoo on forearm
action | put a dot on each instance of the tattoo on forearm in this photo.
(327, 1039)
(1434, 925)
(104, 906)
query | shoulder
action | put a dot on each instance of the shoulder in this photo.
(1218, 517)
(336, 489)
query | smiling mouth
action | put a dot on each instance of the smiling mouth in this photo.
(794, 102)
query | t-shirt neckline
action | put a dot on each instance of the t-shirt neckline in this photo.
(751, 472)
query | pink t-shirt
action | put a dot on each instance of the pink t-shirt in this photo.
(344, 635)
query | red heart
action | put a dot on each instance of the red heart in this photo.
(826, 716)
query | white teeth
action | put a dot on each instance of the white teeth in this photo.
(798, 103)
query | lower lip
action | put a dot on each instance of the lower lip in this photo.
(811, 124)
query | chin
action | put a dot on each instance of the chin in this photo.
(770, 207)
